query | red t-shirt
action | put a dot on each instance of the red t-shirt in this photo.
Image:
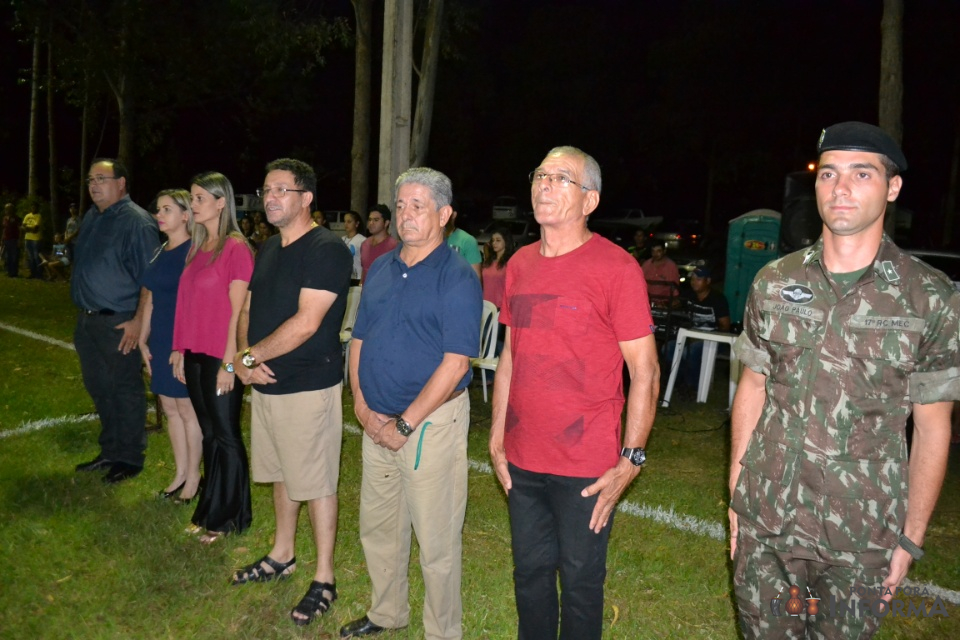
(567, 316)
(202, 320)
(370, 252)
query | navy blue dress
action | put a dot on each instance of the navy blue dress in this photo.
(162, 278)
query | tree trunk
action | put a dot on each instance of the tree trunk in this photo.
(33, 180)
(84, 153)
(55, 213)
(891, 84)
(360, 153)
(395, 92)
(427, 84)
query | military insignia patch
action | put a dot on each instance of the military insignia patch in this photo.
(797, 293)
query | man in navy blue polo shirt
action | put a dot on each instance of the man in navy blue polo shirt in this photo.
(416, 330)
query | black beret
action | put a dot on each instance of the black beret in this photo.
(860, 136)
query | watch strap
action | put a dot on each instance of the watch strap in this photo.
(910, 547)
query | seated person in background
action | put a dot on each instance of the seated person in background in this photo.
(709, 311)
(660, 272)
(55, 264)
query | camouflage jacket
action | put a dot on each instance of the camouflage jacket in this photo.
(825, 471)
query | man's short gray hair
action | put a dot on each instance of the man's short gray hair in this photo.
(441, 189)
(590, 166)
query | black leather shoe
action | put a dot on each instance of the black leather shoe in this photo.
(361, 627)
(96, 464)
(121, 471)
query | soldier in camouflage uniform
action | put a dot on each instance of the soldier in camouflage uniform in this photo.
(841, 342)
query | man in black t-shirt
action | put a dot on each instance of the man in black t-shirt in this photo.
(289, 349)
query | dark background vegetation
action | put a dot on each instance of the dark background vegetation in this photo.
(671, 97)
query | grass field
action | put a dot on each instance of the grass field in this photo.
(85, 560)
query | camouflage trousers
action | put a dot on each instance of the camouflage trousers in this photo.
(820, 606)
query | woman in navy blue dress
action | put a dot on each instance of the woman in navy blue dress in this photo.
(160, 283)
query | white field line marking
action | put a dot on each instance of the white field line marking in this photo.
(37, 336)
(658, 514)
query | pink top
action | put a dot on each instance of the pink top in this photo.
(494, 281)
(370, 252)
(202, 323)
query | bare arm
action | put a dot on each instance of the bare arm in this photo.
(371, 421)
(146, 300)
(928, 465)
(312, 307)
(501, 394)
(477, 269)
(747, 406)
(723, 324)
(439, 386)
(238, 295)
(641, 358)
(131, 328)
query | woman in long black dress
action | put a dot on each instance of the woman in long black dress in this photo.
(160, 283)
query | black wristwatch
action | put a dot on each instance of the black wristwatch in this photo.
(636, 456)
(404, 428)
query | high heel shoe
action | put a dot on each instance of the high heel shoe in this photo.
(184, 501)
(166, 495)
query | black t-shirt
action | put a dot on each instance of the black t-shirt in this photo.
(316, 260)
(705, 313)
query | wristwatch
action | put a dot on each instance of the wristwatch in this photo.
(404, 428)
(636, 456)
(227, 366)
(248, 360)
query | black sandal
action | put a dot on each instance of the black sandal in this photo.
(255, 573)
(314, 604)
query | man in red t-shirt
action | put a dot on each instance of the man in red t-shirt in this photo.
(575, 310)
(379, 241)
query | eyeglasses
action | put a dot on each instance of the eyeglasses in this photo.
(559, 178)
(99, 179)
(280, 192)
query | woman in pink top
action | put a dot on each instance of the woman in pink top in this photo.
(495, 265)
(213, 288)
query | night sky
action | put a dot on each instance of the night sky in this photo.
(661, 93)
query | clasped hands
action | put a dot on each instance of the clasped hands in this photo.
(381, 428)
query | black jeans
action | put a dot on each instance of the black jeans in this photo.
(114, 382)
(224, 503)
(549, 526)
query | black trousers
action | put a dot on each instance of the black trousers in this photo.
(11, 257)
(114, 382)
(551, 537)
(224, 503)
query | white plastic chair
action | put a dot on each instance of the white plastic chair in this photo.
(489, 324)
(346, 329)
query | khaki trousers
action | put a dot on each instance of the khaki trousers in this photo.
(433, 499)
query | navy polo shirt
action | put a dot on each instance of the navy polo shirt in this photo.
(111, 255)
(409, 317)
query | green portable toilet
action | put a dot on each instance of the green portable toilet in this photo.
(751, 243)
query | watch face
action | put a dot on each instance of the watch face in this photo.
(636, 456)
(248, 360)
(229, 367)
